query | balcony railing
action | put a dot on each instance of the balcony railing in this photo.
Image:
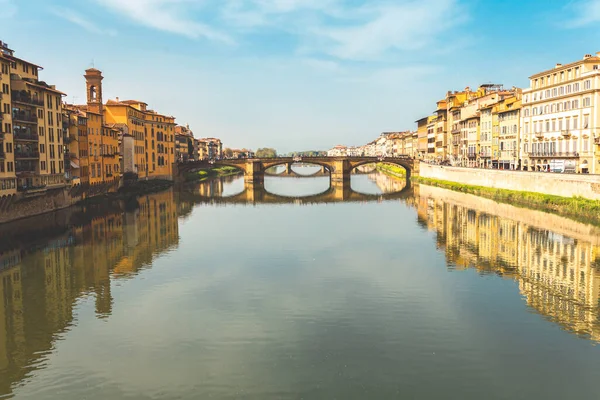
(553, 154)
(109, 155)
(25, 135)
(27, 154)
(30, 188)
(472, 155)
(27, 99)
(24, 117)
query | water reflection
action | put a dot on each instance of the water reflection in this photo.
(316, 190)
(50, 265)
(83, 251)
(555, 260)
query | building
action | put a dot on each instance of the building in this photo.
(31, 134)
(508, 110)
(353, 151)
(422, 137)
(440, 129)
(560, 118)
(337, 151)
(153, 136)
(184, 144)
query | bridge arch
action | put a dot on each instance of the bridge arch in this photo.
(325, 164)
(388, 160)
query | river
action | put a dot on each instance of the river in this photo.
(218, 292)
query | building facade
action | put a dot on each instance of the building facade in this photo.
(561, 118)
(31, 134)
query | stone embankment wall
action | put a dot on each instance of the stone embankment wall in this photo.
(22, 206)
(16, 207)
(566, 185)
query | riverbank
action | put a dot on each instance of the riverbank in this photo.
(135, 189)
(576, 208)
(204, 174)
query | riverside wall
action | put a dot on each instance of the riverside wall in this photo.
(28, 205)
(566, 185)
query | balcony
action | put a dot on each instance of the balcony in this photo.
(24, 117)
(25, 98)
(472, 155)
(31, 188)
(23, 155)
(554, 154)
(109, 155)
(2, 155)
(22, 134)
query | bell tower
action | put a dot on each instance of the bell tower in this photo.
(93, 83)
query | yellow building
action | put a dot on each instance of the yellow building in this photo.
(441, 128)
(509, 132)
(153, 133)
(421, 148)
(31, 157)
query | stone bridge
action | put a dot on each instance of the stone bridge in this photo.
(340, 168)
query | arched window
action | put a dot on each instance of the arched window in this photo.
(93, 93)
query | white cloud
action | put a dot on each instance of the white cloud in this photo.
(165, 15)
(586, 12)
(408, 25)
(9, 9)
(78, 19)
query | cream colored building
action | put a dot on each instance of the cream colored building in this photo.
(561, 118)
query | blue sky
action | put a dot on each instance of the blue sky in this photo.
(296, 74)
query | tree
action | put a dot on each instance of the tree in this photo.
(266, 153)
(227, 152)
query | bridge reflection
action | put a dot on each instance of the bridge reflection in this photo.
(255, 193)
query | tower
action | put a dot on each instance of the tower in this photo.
(93, 82)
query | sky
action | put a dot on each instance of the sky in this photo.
(296, 74)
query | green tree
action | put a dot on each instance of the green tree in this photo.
(227, 152)
(266, 153)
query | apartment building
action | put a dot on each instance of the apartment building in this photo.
(561, 118)
(184, 143)
(31, 136)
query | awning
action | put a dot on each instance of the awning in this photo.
(584, 163)
(74, 164)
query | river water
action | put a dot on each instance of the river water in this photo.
(212, 292)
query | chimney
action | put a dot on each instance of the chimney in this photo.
(598, 54)
(558, 65)
(587, 56)
(117, 99)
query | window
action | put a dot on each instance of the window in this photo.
(43, 165)
(575, 120)
(586, 121)
(576, 87)
(586, 102)
(587, 85)
(42, 148)
(560, 124)
(575, 104)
